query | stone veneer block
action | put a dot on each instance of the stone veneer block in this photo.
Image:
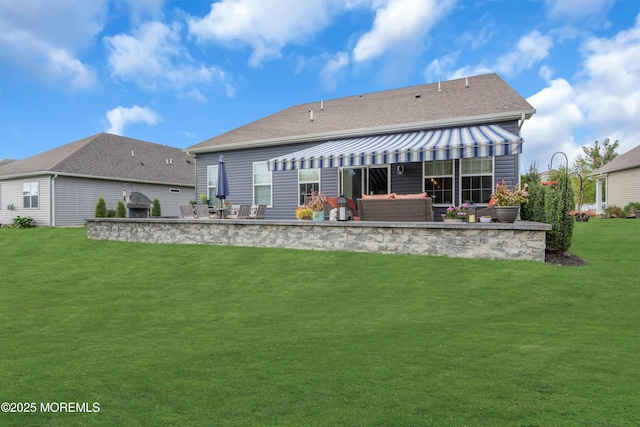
(520, 240)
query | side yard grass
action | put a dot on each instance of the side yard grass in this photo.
(203, 335)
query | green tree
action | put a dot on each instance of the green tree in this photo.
(101, 209)
(121, 210)
(156, 210)
(592, 158)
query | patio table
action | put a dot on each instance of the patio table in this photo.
(220, 210)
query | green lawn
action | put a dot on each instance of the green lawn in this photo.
(204, 335)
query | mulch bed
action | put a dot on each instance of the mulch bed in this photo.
(566, 259)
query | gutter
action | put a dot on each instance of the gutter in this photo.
(350, 133)
(75, 175)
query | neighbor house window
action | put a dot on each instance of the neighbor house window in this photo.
(308, 181)
(31, 194)
(476, 179)
(261, 184)
(438, 181)
(212, 182)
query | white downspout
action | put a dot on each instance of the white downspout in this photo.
(52, 200)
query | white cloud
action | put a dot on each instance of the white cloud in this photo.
(332, 70)
(603, 102)
(154, 58)
(530, 49)
(120, 117)
(551, 128)
(46, 38)
(264, 25)
(437, 68)
(577, 10)
(399, 25)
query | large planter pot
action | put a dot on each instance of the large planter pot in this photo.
(452, 220)
(507, 213)
(318, 216)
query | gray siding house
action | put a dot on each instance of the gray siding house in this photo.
(61, 187)
(452, 139)
(621, 178)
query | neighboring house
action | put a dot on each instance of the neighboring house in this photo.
(453, 139)
(621, 177)
(61, 187)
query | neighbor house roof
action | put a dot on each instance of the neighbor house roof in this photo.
(629, 160)
(486, 99)
(109, 156)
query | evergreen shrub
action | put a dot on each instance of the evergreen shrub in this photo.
(121, 210)
(101, 209)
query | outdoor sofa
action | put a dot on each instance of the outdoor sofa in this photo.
(396, 208)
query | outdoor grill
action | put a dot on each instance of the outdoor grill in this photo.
(138, 205)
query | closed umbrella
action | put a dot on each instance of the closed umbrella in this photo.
(222, 187)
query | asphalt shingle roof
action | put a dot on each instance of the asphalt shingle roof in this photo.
(486, 96)
(629, 160)
(110, 156)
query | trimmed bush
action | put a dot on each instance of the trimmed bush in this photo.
(533, 210)
(156, 210)
(613, 211)
(23, 222)
(101, 209)
(630, 210)
(557, 206)
(121, 210)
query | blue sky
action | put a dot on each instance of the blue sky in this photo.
(180, 72)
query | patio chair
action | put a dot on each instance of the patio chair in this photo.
(187, 211)
(259, 213)
(244, 211)
(202, 212)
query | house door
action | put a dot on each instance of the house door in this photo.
(357, 181)
(378, 180)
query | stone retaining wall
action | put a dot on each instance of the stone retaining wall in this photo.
(521, 240)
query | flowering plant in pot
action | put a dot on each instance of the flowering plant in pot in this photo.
(456, 212)
(503, 196)
(316, 204)
(507, 202)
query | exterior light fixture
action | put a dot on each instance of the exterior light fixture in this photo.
(342, 208)
(400, 170)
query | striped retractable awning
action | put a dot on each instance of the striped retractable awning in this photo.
(422, 146)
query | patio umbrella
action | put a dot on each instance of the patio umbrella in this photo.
(222, 188)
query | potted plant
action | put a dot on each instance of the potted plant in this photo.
(455, 214)
(203, 199)
(507, 202)
(485, 219)
(316, 204)
(304, 212)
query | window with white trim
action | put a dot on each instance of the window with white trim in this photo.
(308, 181)
(438, 181)
(31, 194)
(476, 180)
(261, 184)
(212, 183)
